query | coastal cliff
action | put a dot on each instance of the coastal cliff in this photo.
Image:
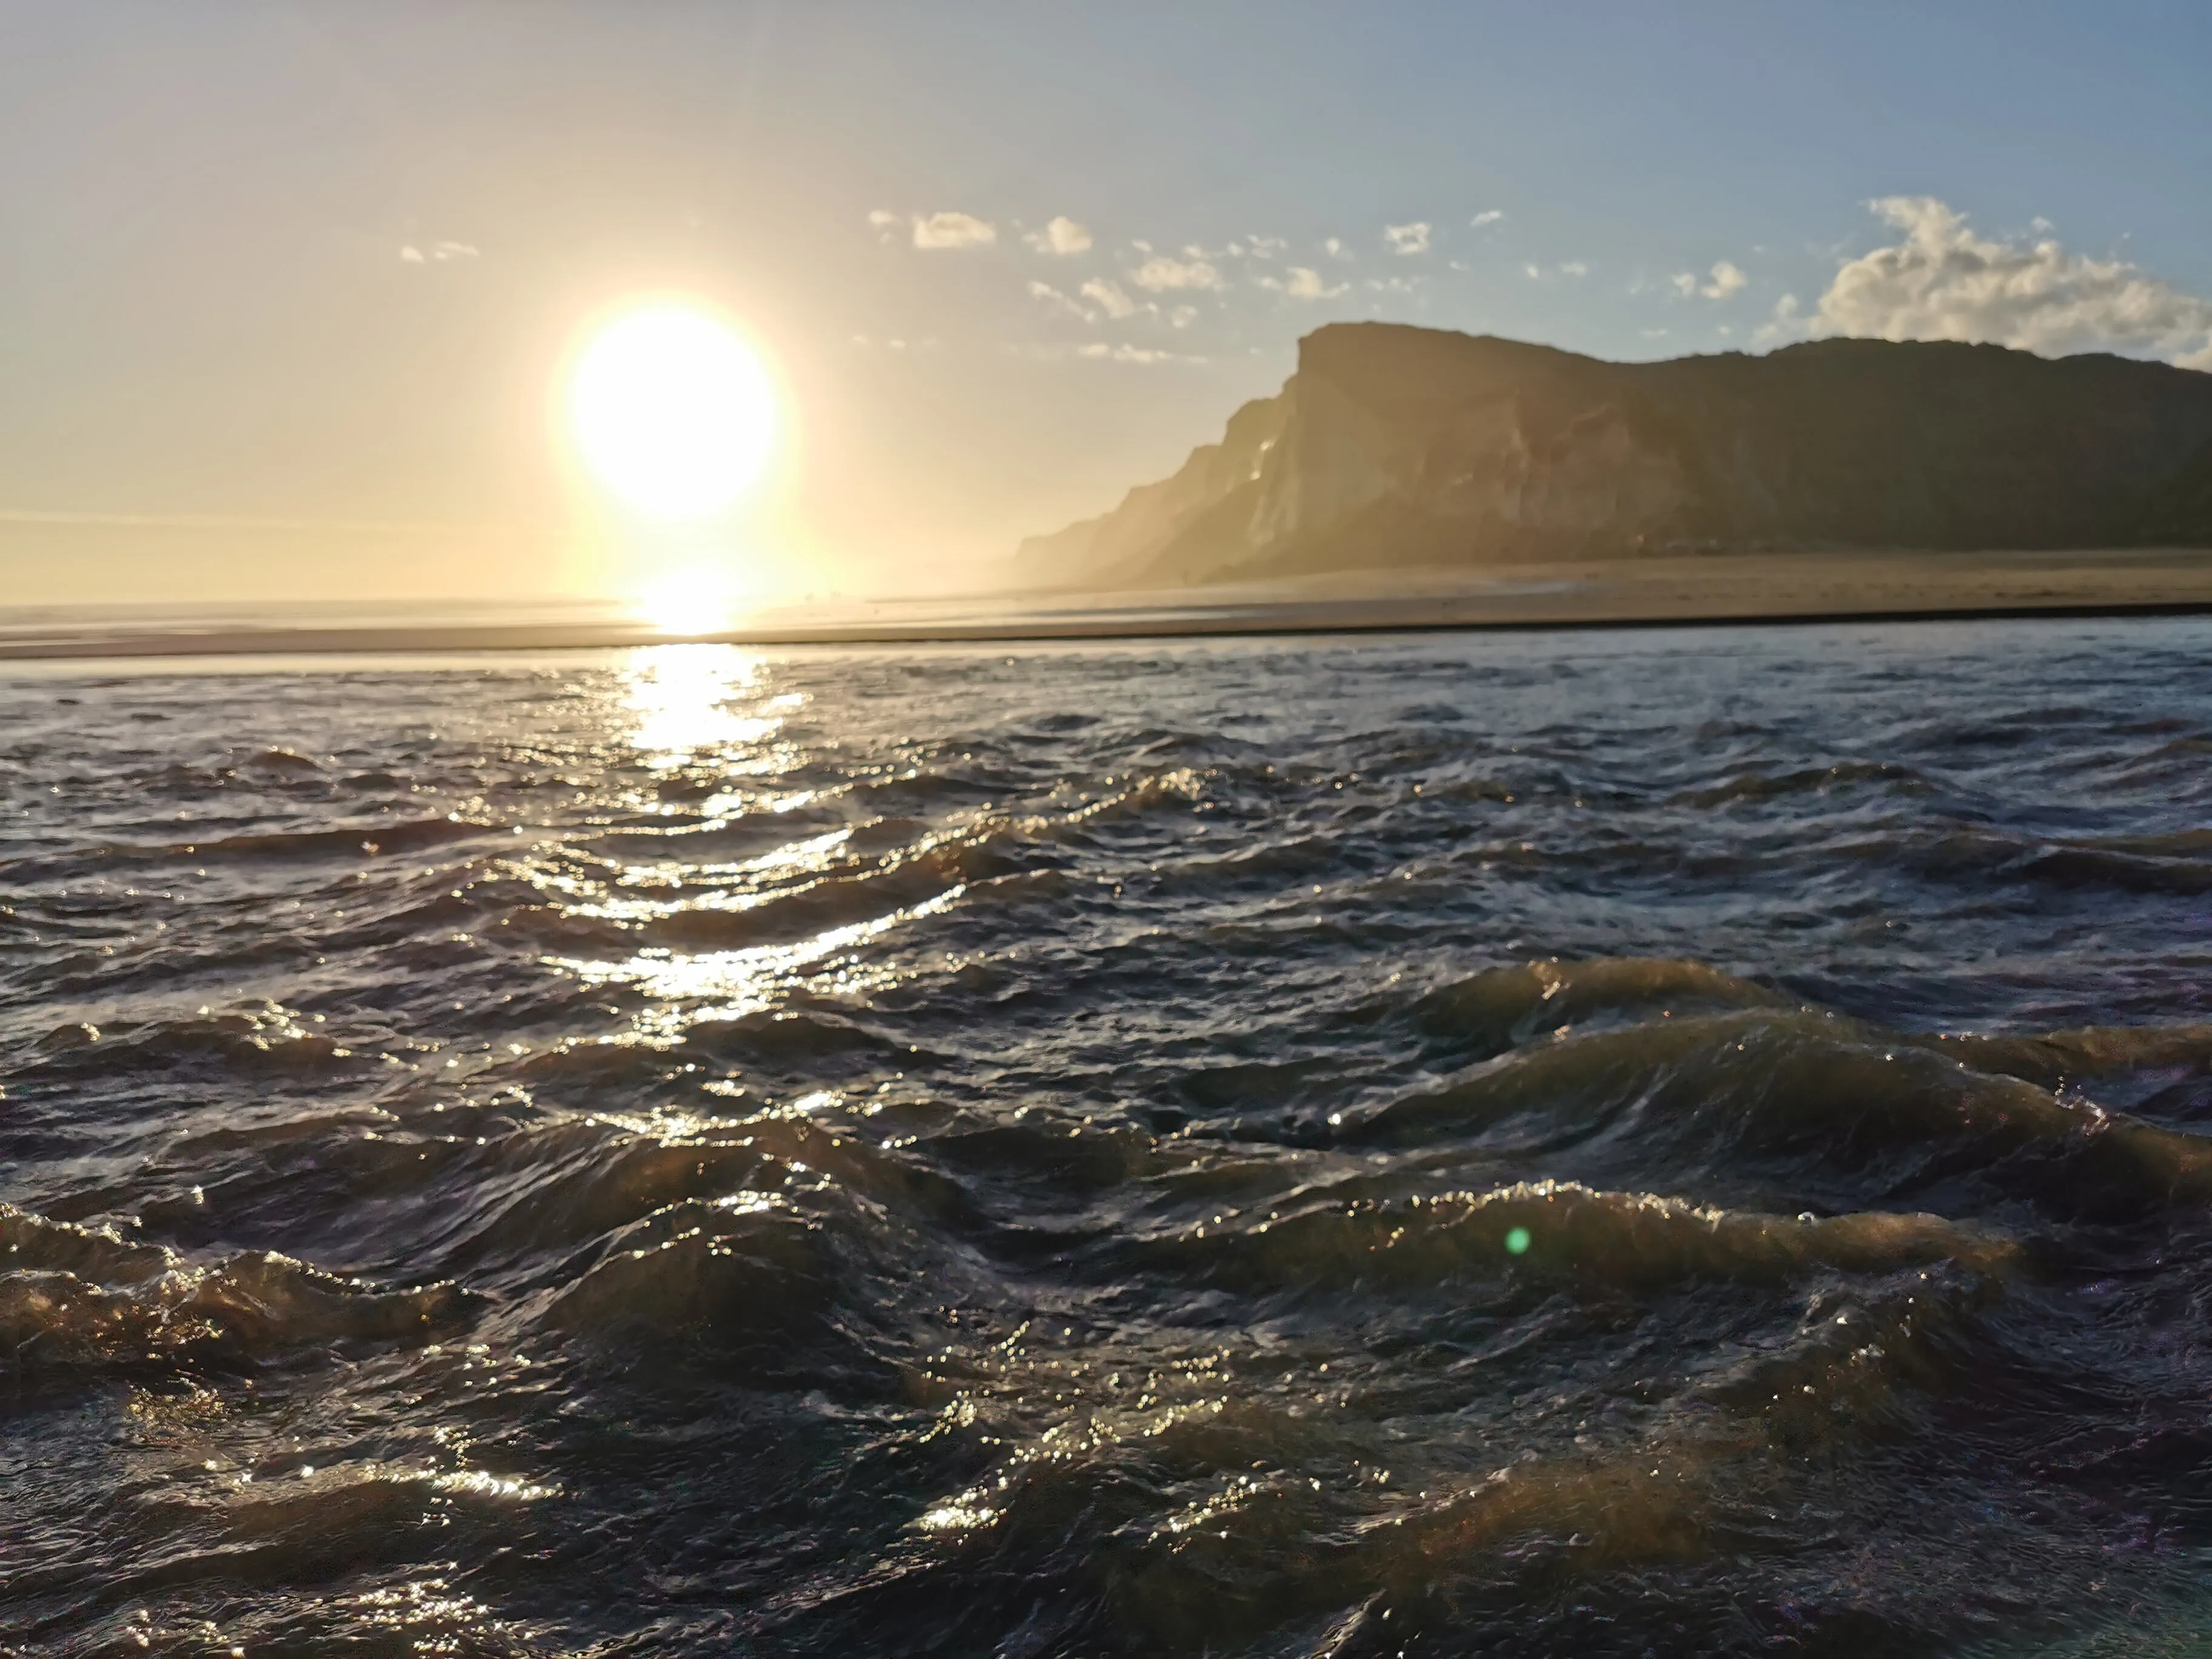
(1393, 447)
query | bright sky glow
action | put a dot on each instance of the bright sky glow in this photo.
(691, 600)
(672, 411)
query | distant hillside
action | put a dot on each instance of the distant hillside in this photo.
(1407, 446)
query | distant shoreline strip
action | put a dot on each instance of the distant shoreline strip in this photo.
(1285, 620)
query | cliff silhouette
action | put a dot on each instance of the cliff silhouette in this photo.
(1393, 446)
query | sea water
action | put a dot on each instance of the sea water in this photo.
(1673, 1142)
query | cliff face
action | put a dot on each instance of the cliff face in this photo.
(1400, 447)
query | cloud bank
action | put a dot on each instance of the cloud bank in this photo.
(1942, 281)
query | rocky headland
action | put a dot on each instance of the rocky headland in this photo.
(1399, 449)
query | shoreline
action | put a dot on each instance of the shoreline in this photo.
(1708, 590)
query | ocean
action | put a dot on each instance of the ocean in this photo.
(1667, 1142)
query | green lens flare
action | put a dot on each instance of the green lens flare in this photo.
(1517, 1240)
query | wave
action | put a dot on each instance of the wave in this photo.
(1794, 1086)
(268, 1041)
(367, 838)
(750, 1266)
(1619, 1241)
(1756, 787)
(76, 1295)
(1507, 1007)
(2170, 864)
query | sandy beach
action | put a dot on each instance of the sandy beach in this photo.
(1719, 589)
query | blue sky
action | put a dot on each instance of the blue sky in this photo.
(283, 288)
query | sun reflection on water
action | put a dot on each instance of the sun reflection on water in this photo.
(690, 700)
(731, 984)
(707, 719)
(651, 883)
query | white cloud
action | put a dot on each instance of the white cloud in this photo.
(1108, 296)
(882, 217)
(1060, 301)
(1789, 321)
(1943, 282)
(1300, 282)
(1249, 246)
(1724, 280)
(1063, 236)
(1535, 272)
(1100, 351)
(1407, 238)
(1182, 316)
(1337, 250)
(953, 230)
(1489, 216)
(1575, 268)
(1304, 284)
(436, 254)
(1161, 273)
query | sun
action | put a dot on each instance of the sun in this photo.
(672, 410)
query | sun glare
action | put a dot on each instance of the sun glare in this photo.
(672, 410)
(700, 598)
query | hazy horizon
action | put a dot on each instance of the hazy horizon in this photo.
(292, 293)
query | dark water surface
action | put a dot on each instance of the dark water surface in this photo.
(1651, 1143)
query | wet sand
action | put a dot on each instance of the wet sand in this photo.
(1728, 588)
